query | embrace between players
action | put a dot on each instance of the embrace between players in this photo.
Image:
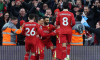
(38, 36)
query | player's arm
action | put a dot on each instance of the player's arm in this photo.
(53, 33)
(40, 32)
(73, 20)
(57, 20)
(23, 30)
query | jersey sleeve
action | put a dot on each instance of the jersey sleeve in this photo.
(53, 33)
(23, 30)
(40, 32)
(53, 27)
(73, 20)
(57, 19)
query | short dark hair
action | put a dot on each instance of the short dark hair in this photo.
(31, 16)
(45, 17)
(40, 18)
(87, 6)
(65, 5)
(13, 18)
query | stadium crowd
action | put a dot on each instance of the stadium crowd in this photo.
(49, 8)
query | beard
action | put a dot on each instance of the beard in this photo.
(46, 23)
(86, 13)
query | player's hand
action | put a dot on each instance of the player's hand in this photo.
(13, 3)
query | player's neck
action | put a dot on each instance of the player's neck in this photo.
(65, 9)
(31, 20)
(46, 24)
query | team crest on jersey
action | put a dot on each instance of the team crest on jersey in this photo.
(40, 27)
(48, 27)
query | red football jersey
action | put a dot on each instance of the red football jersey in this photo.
(30, 30)
(47, 29)
(66, 21)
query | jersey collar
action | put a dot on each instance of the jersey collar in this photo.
(65, 9)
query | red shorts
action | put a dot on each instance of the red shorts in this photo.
(59, 50)
(30, 46)
(47, 43)
(64, 38)
(40, 47)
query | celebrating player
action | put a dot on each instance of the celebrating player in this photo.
(47, 28)
(30, 30)
(66, 21)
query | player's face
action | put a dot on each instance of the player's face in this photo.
(46, 20)
(41, 22)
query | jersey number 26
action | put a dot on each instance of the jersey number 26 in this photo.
(30, 32)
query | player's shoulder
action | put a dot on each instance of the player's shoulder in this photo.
(50, 25)
(40, 26)
(70, 12)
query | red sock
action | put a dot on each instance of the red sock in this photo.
(53, 53)
(26, 56)
(37, 57)
(33, 57)
(42, 56)
(68, 49)
(64, 52)
(53, 50)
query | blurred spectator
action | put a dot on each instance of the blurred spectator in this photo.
(77, 13)
(96, 10)
(1, 5)
(45, 6)
(79, 4)
(90, 15)
(16, 5)
(48, 13)
(22, 15)
(96, 31)
(3, 20)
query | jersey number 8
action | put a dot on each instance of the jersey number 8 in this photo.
(32, 32)
(65, 21)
